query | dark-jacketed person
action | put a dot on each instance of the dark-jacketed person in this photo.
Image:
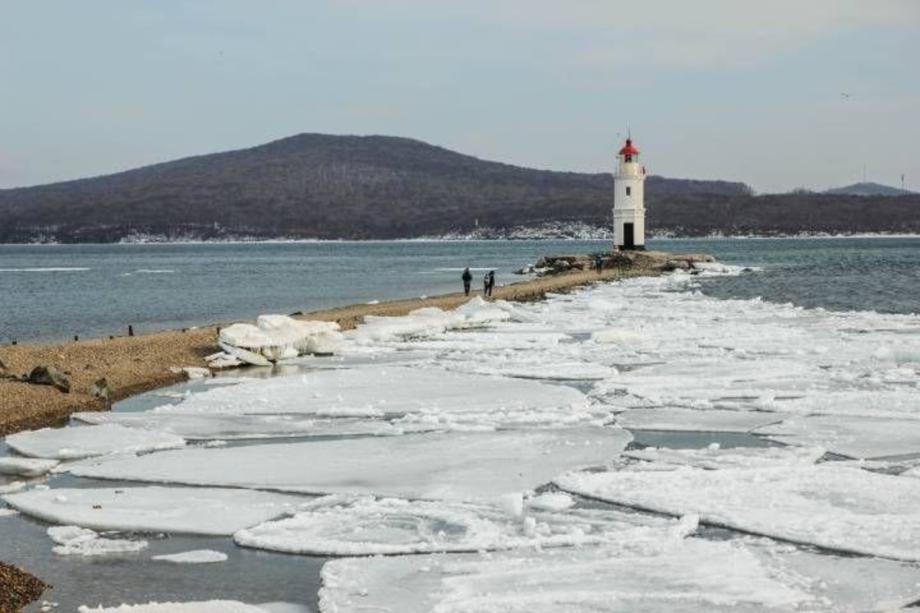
(467, 280)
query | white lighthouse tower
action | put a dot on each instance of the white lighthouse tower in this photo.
(629, 199)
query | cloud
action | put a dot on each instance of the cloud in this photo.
(664, 33)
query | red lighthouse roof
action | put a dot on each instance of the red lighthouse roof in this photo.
(629, 148)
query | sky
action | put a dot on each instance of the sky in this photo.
(781, 94)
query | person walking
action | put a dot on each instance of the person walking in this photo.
(485, 285)
(599, 263)
(467, 280)
(490, 282)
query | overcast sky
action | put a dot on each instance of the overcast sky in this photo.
(731, 89)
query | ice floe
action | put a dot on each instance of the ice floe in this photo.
(25, 467)
(430, 321)
(836, 507)
(689, 420)
(634, 575)
(428, 395)
(205, 606)
(347, 526)
(197, 556)
(209, 511)
(88, 441)
(202, 426)
(76, 541)
(455, 466)
(715, 458)
(278, 337)
(854, 437)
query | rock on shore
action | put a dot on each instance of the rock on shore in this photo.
(659, 261)
(18, 588)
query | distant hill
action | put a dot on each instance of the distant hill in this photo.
(869, 189)
(357, 187)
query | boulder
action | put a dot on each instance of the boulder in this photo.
(49, 375)
(100, 389)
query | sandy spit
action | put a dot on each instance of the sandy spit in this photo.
(132, 365)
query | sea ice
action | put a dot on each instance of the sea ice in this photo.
(25, 467)
(209, 511)
(209, 606)
(639, 574)
(689, 420)
(343, 526)
(76, 541)
(201, 426)
(278, 337)
(428, 394)
(715, 458)
(430, 321)
(88, 441)
(837, 507)
(198, 556)
(854, 437)
(456, 466)
(688, 575)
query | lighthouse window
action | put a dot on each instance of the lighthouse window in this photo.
(629, 191)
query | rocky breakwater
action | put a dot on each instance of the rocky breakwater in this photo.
(650, 261)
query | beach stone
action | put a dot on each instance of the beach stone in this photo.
(49, 375)
(100, 389)
(18, 588)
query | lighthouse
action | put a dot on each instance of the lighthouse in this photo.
(629, 199)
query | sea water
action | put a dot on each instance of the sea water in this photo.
(820, 273)
(54, 292)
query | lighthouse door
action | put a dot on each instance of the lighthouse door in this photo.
(629, 239)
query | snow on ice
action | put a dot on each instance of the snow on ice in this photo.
(201, 426)
(426, 395)
(346, 526)
(854, 437)
(198, 556)
(689, 420)
(640, 574)
(714, 457)
(209, 511)
(205, 606)
(455, 466)
(26, 467)
(837, 507)
(88, 441)
(430, 321)
(76, 541)
(278, 337)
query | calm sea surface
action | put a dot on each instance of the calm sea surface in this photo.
(57, 291)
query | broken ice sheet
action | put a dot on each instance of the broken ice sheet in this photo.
(198, 426)
(204, 606)
(827, 505)
(425, 393)
(25, 467)
(430, 321)
(86, 441)
(197, 556)
(456, 466)
(689, 420)
(643, 575)
(209, 511)
(76, 541)
(715, 458)
(853, 437)
(346, 526)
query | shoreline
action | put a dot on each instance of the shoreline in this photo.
(141, 363)
(461, 239)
